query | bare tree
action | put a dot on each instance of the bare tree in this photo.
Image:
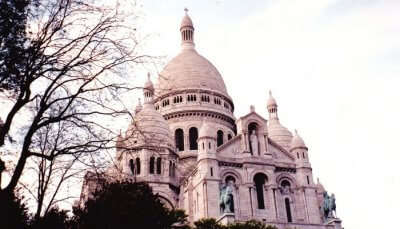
(50, 176)
(74, 67)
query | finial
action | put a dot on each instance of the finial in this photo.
(295, 131)
(270, 93)
(148, 75)
(252, 108)
(139, 101)
(186, 10)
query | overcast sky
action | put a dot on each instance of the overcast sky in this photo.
(333, 67)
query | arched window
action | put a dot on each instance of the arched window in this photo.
(173, 169)
(229, 137)
(288, 212)
(285, 184)
(193, 135)
(179, 139)
(260, 179)
(151, 165)
(159, 165)
(137, 165)
(132, 166)
(220, 137)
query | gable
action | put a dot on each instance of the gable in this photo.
(279, 153)
(231, 148)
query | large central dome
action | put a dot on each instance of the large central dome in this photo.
(190, 70)
(190, 91)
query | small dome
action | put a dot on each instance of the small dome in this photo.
(279, 133)
(149, 85)
(271, 100)
(186, 21)
(206, 130)
(297, 142)
(138, 107)
(149, 129)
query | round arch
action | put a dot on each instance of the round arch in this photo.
(231, 172)
(266, 173)
(166, 202)
(288, 177)
(250, 121)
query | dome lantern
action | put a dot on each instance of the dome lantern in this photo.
(276, 131)
(187, 31)
(272, 107)
(148, 90)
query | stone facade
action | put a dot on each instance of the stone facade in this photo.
(187, 144)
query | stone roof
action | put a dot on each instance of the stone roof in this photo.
(190, 70)
(186, 20)
(271, 100)
(149, 128)
(297, 142)
(279, 134)
(206, 130)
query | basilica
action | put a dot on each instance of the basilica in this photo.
(186, 143)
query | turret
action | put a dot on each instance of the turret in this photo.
(138, 107)
(207, 142)
(298, 148)
(276, 131)
(187, 31)
(148, 90)
(272, 107)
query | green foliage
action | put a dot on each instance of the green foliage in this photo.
(13, 212)
(251, 224)
(126, 204)
(209, 223)
(55, 218)
(13, 39)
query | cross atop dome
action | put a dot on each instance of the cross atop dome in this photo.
(186, 10)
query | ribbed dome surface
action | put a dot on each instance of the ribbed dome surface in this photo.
(189, 70)
(149, 128)
(297, 142)
(279, 134)
(186, 21)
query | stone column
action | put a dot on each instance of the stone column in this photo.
(186, 145)
(246, 142)
(272, 203)
(261, 141)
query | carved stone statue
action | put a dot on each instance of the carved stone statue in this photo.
(329, 205)
(333, 205)
(226, 199)
(254, 142)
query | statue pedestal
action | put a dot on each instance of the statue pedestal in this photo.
(333, 223)
(226, 218)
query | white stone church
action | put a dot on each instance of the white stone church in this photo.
(187, 144)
